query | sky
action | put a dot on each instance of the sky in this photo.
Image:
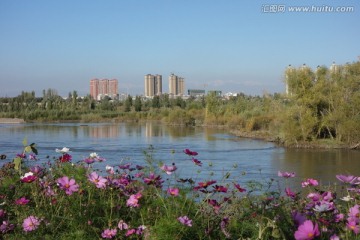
(229, 45)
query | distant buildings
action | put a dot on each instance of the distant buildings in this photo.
(99, 88)
(176, 85)
(153, 85)
(196, 92)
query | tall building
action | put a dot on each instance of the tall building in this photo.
(153, 85)
(104, 87)
(176, 85)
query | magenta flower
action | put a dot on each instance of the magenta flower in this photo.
(168, 169)
(28, 177)
(30, 224)
(6, 227)
(173, 191)
(204, 184)
(99, 181)
(354, 213)
(219, 188)
(133, 201)
(289, 193)
(153, 180)
(22, 201)
(348, 179)
(307, 231)
(109, 233)
(298, 218)
(353, 226)
(286, 174)
(239, 188)
(310, 182)
(185, 221)
(197, 162)
(68, 185)
(130, 232)
(190, 153)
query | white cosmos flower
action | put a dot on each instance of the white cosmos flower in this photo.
(347, 198)
(94, 155)
(63, 150)
(27, 174)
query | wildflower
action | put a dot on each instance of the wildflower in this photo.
(218, 188)
(298, 218)
(28, 177)
(99, 181)
(334, 237)
(307, 231)
(140, 229)
(133, 201)
(65, 158)
(353, 226)
(168, 169)
(347, 198)
(310, 182)
(122, 225)
(349, 179)
(214, 204)
(314, 196)
(223, 224)
(289, 193)
(22, 201)
(185, 221)
(110, 169)
(173, 191)
(89, 161)
(153, 180)
(37, 170)
(2, 213)
(204, 184)
(63, 150)
(68, 185)
(130, 232)
(32, 156)
(30, 223)
(324, 206)
(239, 188)
(109, 233)
(125, 166)
(190, 153)
(6, 227)
(354, 213)
(197, 162)
(286, 174)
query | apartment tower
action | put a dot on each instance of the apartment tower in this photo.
(100, 88)
(176, 85)
(153, 85)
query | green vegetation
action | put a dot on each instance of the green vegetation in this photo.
(64, 200)
(320, 109)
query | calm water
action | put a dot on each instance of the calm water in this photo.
(218, 150)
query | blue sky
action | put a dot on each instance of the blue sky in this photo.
(229, 45)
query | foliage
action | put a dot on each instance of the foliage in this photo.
(64, 200)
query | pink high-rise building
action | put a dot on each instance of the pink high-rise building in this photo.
(104, 87)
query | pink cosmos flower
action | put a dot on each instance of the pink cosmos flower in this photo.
(219, 188)
(109, 233)
(133, 201)
(204, 184)
(130, 232)
(348, 179)
(22, 201)
(354, 213)
(185, 221)
(310, 182)
(30, 223)
(286, 174)
(152, 179)
(168, 169)
(99, 181)
(190, 153)
(289, 193)
(307, 231)
(6, 227)
(68, 185)
(353, 226)
(173, 191)
(110, 169)
(28, 177)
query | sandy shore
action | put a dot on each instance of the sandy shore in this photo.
(11, 120)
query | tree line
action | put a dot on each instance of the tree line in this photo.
(320, 106)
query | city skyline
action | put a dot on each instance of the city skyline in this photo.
(238, 46)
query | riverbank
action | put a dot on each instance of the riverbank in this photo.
(11, 120)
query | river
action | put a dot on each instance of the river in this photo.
(220, 152)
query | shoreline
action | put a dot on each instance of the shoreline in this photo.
(11, 121)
